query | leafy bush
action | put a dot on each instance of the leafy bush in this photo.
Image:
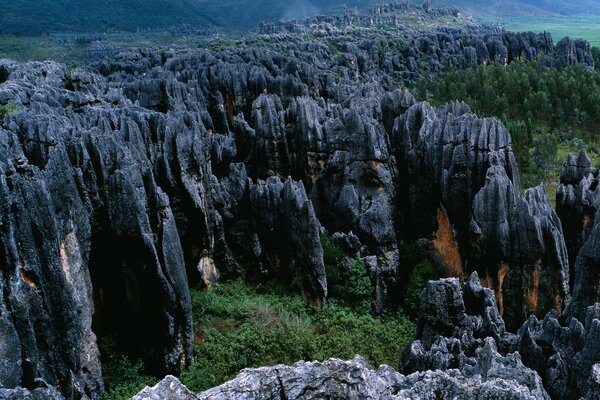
(239, 326)
(123, 377)
(420, 271)
(348, 283)
(8, 109)
(236, 328)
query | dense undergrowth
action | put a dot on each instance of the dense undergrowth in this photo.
(238, 325)
(549, 111)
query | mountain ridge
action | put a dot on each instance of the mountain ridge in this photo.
(30, 17)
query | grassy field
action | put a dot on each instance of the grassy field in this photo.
(583, 27)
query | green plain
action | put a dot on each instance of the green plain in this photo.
(580, 27)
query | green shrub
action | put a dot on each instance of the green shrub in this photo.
(68, 83)
(236, 328)
(8, 109)
(420, 270)
(348, 282)
(123, 377)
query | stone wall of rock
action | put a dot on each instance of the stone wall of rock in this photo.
(458, 322)
(460, 187)
(98, 192)
(122, 185)
(577, 201)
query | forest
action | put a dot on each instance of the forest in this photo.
(549, 110)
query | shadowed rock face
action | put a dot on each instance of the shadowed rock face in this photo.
(97, 192)
(577, 200)
(132, 200)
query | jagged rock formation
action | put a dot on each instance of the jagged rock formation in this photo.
(448, 39)
(577, 201)
(458, 322)
(36, 394)
(448, 159)
(586, 282)
(571, 52)
(356, 379)
(455, 320)
(95, 190)
(120, 187)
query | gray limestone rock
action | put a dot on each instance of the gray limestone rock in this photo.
(505, 378)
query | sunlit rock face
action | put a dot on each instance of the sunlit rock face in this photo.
(356, 379)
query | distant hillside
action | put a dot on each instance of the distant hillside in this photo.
(34, 17)
(25, 17)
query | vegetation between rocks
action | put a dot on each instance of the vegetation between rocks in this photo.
(238, 326)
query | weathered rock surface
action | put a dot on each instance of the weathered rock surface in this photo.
(577, 203)
(355, 379)
(586, 285)
(461, 188)
(577, 200)
(25, 394)
(121, 187)
(460, 328)
(95, 190)
(455, 320)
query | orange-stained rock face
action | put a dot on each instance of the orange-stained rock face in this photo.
(25, 274)
(446, 246)
(502, 272)
(535, 287)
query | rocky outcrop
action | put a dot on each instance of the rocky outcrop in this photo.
(564, 352)
(96, 192)
(42, 393)
(577, 200)
(462, 44)
(122, 186)
(574, 51)
(455, 321)
(462, 190)
(460, 323)
(356, 379)
(586, 282)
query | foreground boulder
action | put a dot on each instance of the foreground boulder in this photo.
(460, 326)
(355, 379)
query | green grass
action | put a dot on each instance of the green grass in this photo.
(580, 27)
(123, 377)
(237, 327)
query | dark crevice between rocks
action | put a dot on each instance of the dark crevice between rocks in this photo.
(126, 300)
(4, 74)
